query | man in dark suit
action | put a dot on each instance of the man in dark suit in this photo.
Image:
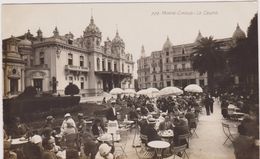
(150, 131)
(111, 112)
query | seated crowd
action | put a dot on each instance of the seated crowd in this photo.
(75, 138)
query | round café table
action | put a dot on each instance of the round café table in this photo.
(158, 146)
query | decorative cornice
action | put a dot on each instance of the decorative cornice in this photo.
(13, 61)
(59, 44)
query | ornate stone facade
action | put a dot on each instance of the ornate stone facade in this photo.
(172, 66)
(83, 61)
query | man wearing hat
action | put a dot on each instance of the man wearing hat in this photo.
(82, 124)
(49, 121)
(150, 131)
(111, 112)
(19, 129)
(67, 118)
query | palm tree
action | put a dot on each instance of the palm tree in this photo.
(208, 58)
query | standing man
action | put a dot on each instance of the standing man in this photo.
(211, 102)
(82, 124)
(207, 104)
(111, 112)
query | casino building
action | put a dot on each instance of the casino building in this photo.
(51, 63)
(171, 66)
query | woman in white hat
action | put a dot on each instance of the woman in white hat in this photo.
(104, 152)
(67, 118)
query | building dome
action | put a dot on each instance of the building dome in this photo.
(199, 37)
(239, 33)
(25, 42)
(92, 28)
(118, 40)
(167, 44)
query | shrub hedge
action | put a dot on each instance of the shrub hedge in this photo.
(31, 108)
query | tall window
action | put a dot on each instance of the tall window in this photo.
(115, 67)
(81, 61)
(123, 68)
(82, 83)
(167, 53)
(89, 65)
(202, 82)
(41, 58)
(70, 59)
(128, 69)
(175, 67)
(109, 66)
(167, 60)
(103, 65)
(183, 66)
(154, 77)
(98, 64)
(161, 77)
(183, 58)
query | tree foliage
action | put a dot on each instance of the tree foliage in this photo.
(71, 89)
(244, 56)
(29, 91)
(208, 58)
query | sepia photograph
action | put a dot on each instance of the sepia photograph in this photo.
(130, 80)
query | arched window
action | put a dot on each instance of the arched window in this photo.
(98, 64)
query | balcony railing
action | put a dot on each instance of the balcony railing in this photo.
(76, 68)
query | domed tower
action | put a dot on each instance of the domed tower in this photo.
(25, 49)
(167, 46)
(199, 37)
(39, 34)
(108, 46)
(13, 66)
(92, 36)
(238, 34)
(142, 52)
(56, 32)
(118, 45)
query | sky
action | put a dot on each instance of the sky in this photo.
(138, 24)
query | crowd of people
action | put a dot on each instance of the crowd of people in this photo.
(245, 145)
(153, 116)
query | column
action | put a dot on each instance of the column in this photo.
(22, 80)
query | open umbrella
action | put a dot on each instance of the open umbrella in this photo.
(151, 92)
(129, 91)
(193, 88)
(116, 91)
(143, 92)
(170, 91)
